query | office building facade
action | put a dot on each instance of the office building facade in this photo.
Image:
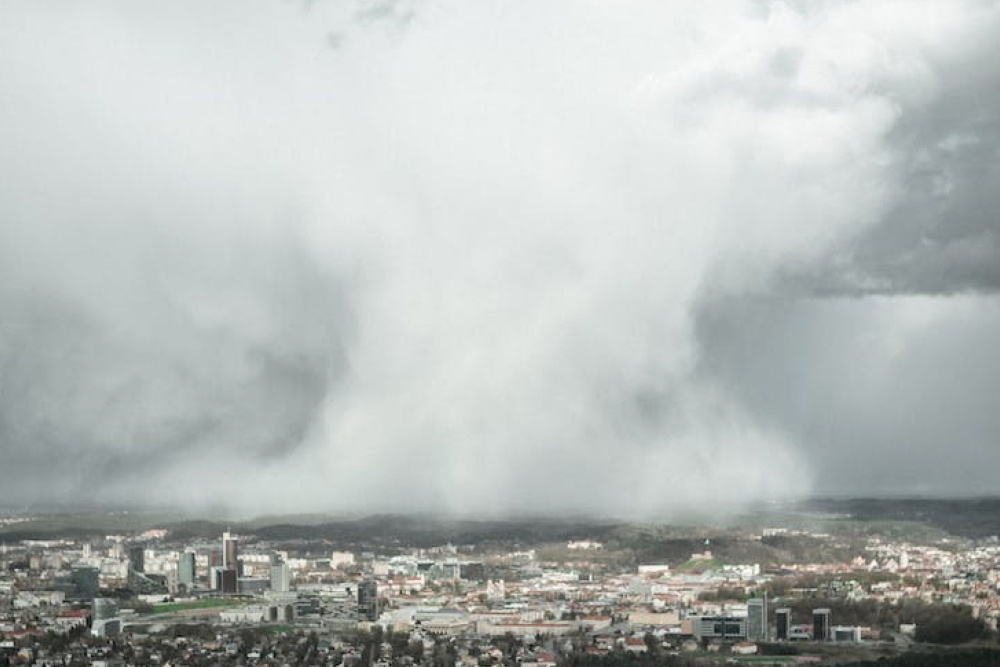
(757, 619)
(782, 624)
(230, 552)
(281, 579)
(137, 558)
(719, 627)
(186, 572)
(226, 581)
(368, 601)
(821, 625)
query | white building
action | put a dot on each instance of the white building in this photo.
(281, 577)
(338, 558)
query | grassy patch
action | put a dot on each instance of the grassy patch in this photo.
(206, 603)
(279, 629)
(768, 659)
(699, 565)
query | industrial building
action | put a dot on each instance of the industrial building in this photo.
(719, 627)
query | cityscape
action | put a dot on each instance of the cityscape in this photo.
(499, 333)
(811, 587)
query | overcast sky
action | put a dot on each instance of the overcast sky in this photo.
(613, 256)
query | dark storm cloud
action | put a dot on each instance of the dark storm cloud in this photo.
(196, 362)
(878, 356)
(941, 234)
(887, 395)
(553, 257)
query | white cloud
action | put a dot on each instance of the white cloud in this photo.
(509, 215)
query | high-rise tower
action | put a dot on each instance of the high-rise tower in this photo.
(227, 578)
(280, 576)
(821, 625)
(230, 551)
(757, 619)
(368, 601)
(137, 558)
(782, 623)
(186, 569)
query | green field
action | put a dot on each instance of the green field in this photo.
(756, 659)
(730, 658)
(699, 565)
(207, 603)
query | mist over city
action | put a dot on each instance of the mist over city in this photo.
(500, 333)
(497, 258)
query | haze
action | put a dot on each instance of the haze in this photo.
(611, 257)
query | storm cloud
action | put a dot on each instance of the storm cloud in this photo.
(613, 257)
